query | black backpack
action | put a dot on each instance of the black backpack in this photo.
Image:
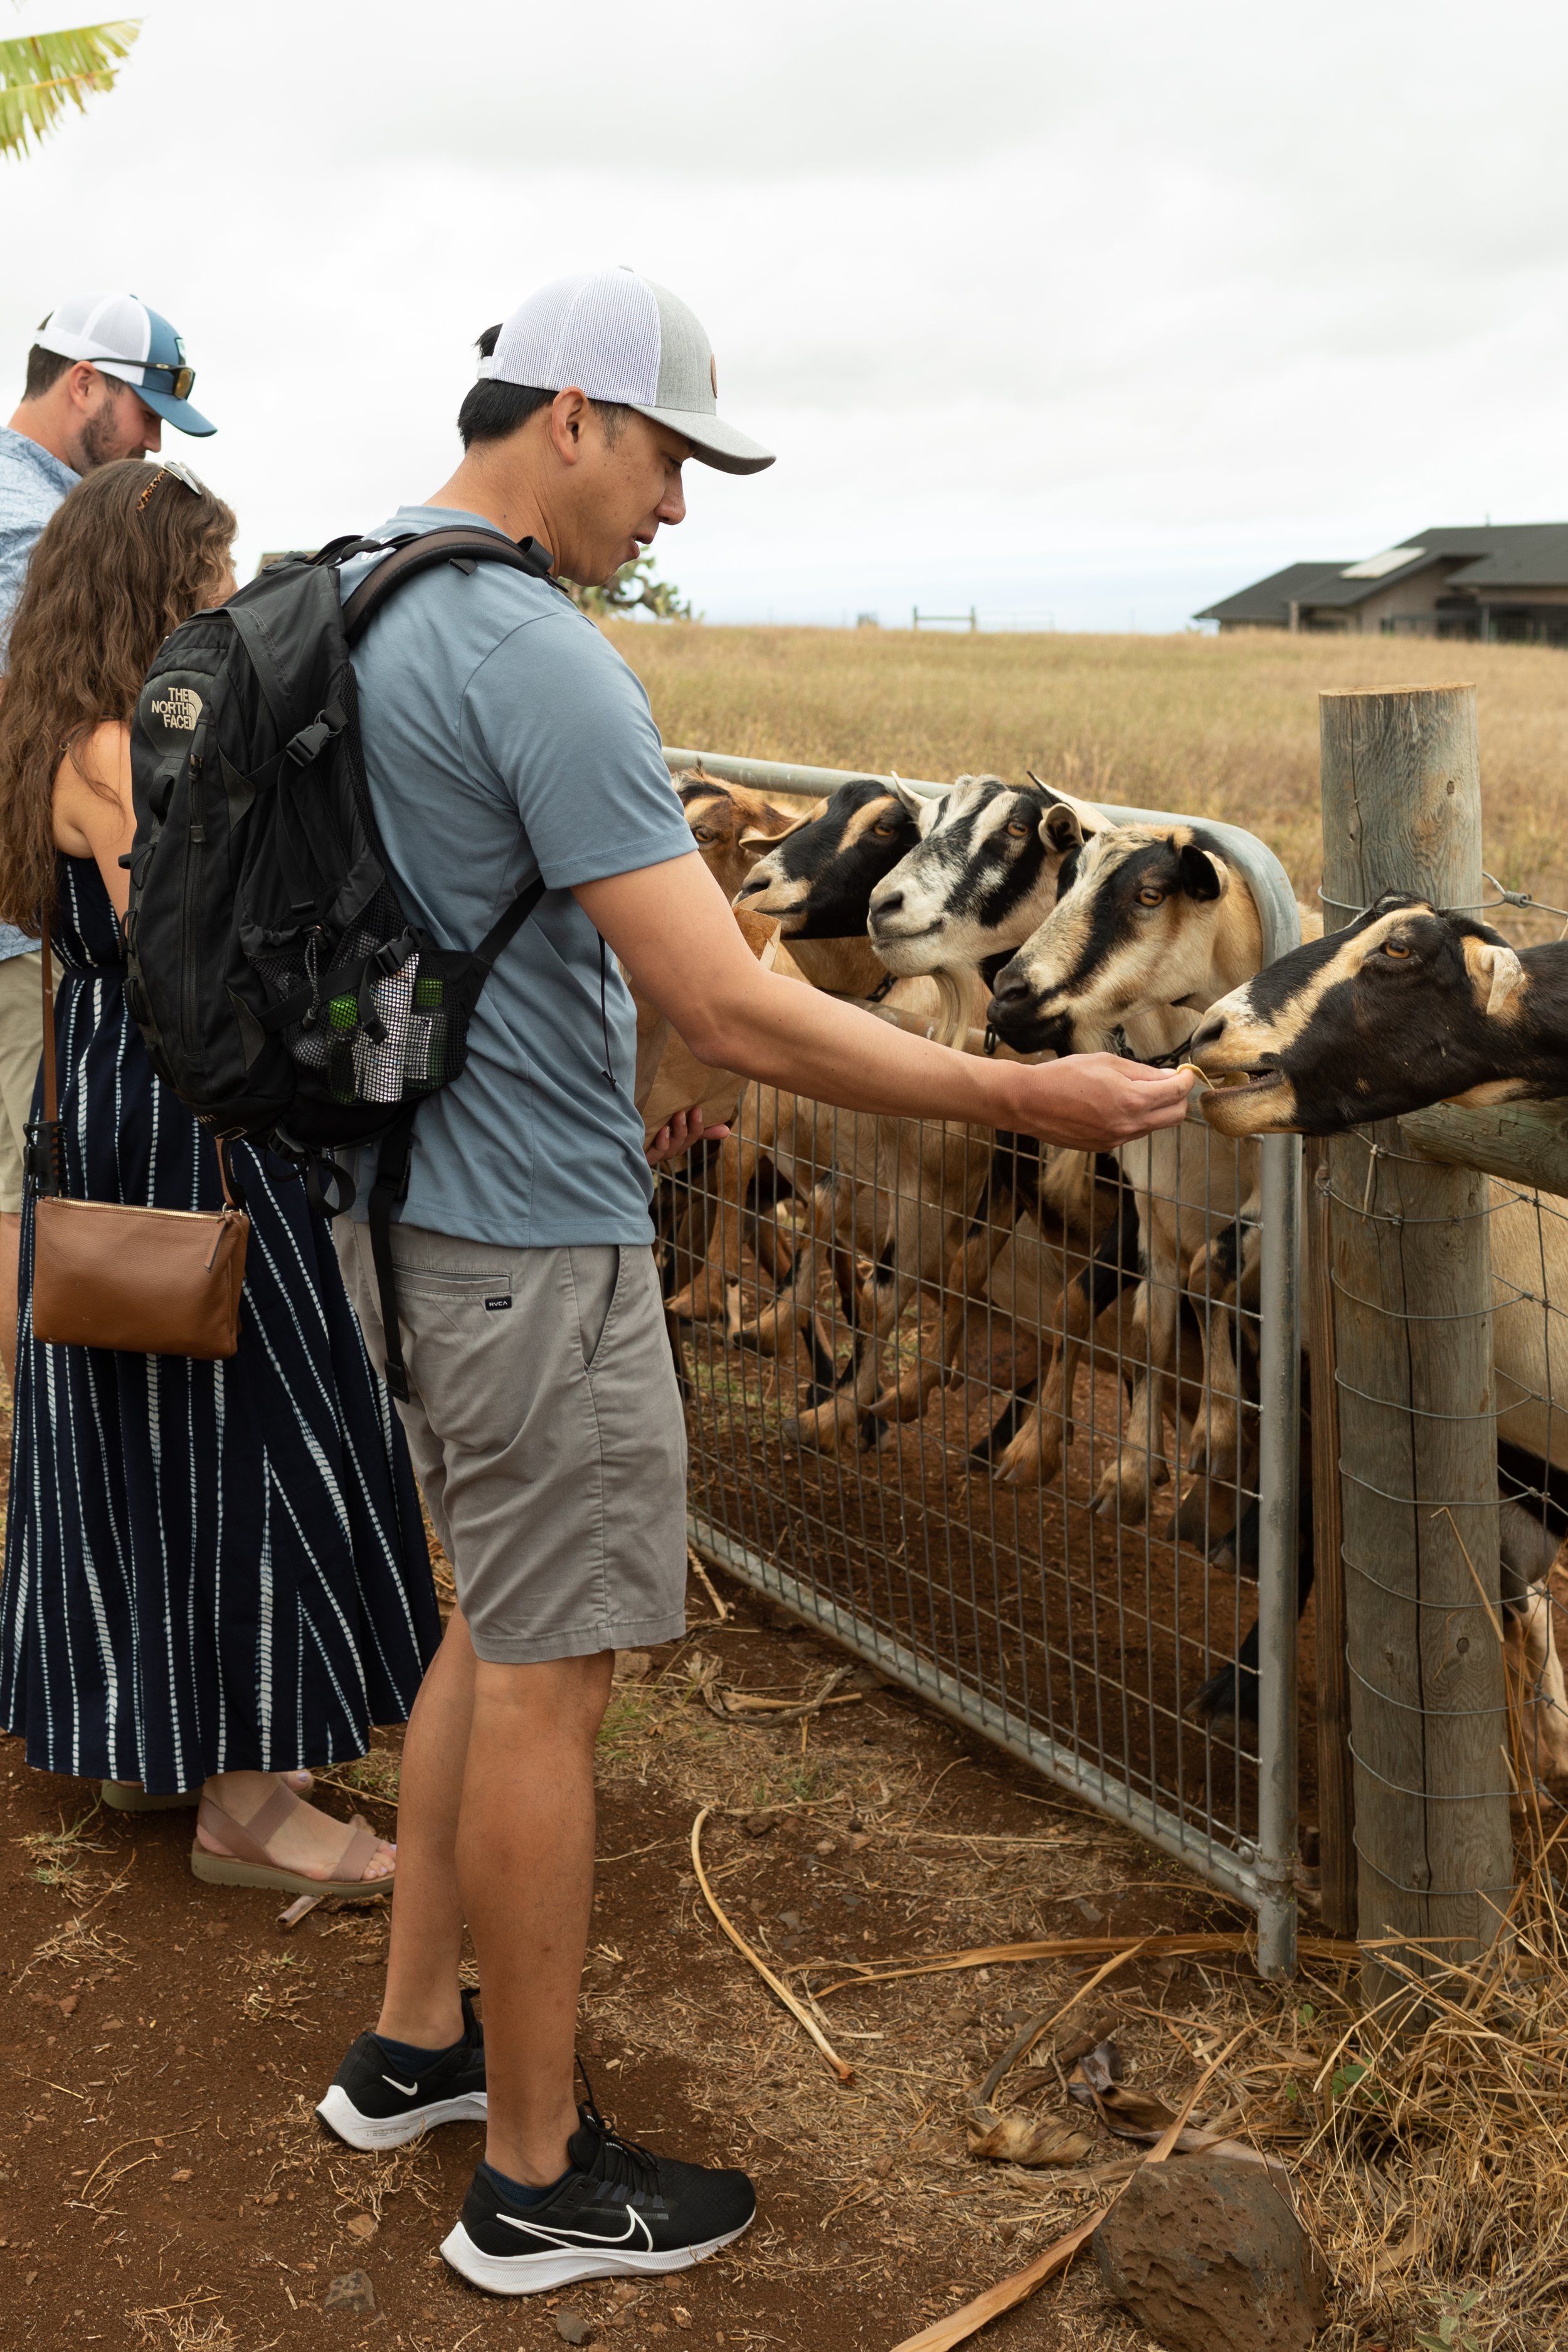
(281, 990)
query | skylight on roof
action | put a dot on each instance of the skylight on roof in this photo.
(1392, 558)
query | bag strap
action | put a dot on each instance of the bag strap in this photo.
(43, 1155)
(51, 1068)
(464, 547)
(394, 1149)
(499, 936)
(394, 1155)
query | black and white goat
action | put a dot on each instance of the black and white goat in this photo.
(1405, 1007)
(980, 878)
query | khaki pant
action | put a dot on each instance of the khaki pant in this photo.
(21, 1050)
(546, 1431)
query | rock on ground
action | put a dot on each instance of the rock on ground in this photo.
(1207, 2255)
(351, 2292)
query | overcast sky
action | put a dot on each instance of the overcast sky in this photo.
(1091, 312)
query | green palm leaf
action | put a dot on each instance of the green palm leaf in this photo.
(42, 73)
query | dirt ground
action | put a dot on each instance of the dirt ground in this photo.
(163, 2180)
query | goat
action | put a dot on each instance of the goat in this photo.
(1151, 925)
(821, 884)
(733, 826)
(886, 1190)
(980, 878)
(817, 882)
(1405, 1007)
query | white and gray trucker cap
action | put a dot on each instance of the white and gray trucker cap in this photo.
(617, 336)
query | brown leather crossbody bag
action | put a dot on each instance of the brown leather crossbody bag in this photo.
(150, 1281)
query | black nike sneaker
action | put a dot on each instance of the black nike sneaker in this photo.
(621, 2213)
(372, 2105)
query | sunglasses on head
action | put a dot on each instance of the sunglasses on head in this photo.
(179, 473)
(180, 381)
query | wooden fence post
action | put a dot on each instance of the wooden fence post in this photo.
(1410, 1262)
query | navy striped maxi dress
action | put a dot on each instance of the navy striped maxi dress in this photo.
(209, 1567)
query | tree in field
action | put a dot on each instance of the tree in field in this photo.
(634, 589)
(42, 73)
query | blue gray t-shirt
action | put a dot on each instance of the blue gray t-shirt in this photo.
(505, 738)
(33, 483)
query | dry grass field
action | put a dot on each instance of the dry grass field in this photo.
(1222, 727)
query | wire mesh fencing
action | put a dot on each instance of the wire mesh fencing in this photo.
(1020, 1426)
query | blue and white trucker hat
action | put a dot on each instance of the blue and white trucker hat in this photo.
(619, 337)
(122, 337)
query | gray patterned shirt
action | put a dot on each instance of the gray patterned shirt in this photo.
(32, 485)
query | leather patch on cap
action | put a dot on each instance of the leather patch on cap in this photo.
(713, 374)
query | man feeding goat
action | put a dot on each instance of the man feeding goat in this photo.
(506, 742)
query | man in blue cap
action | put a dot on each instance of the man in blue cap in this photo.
(104, 376)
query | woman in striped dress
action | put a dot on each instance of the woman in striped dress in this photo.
(215, 1573)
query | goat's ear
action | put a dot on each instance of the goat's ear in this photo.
(1495, 973)
(1201, 874)
(916, 803)
(1060, 830)
(759, 837)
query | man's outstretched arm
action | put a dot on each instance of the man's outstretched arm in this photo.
(670, 926)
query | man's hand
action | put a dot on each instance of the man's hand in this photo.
(1090, 1102)
(684, 1130)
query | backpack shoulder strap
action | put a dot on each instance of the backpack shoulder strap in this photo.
(463, 547)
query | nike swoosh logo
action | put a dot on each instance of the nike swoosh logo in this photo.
(582, 2237)
(409, 2090)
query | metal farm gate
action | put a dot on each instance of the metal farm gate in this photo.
(882, 1441)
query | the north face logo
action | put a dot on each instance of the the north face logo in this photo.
(180, 708)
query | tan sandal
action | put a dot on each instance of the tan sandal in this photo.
(246, 1862)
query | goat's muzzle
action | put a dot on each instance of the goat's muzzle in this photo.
(1015, 1013)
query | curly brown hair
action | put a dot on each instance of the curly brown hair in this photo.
(125, 559)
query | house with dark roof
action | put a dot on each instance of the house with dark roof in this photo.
(1507, 584)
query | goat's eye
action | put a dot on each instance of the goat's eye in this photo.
(703, 833)
(885, 826)
(1393, 948)
(1147, 898)
(1019, 831)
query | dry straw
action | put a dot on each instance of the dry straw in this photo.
(1010, 2291)
(1428, 2154)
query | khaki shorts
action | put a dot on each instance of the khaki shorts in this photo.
(21, 1050)
(546, 1431)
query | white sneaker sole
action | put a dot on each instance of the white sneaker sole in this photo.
(340, 2115)
(540, 2273)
